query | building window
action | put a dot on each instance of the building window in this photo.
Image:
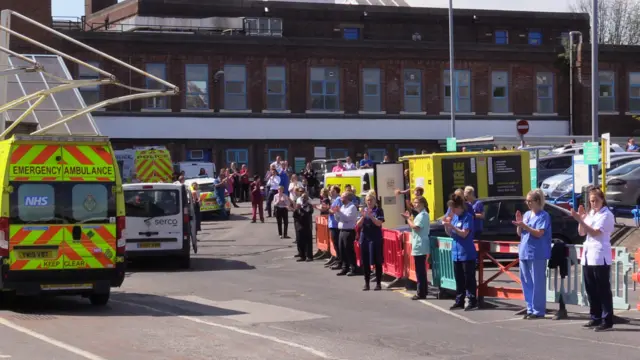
(338, 153)
(371, 90)
(159, 71)
(276, 87)
(634, 92)
(377, 155)
(535, 37)
(196, 154)
(499, 92)
(412, 90)
(90, 94)
(351, 33)
(263, 26)
(235, 87)
(502, 37)
(197, 94)
(274, 153)
(325, 89)
(406, 152)
(607, 101)
(238, 156)
(544, 81)
(462, 91)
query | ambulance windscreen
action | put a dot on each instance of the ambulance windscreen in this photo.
(151, 203)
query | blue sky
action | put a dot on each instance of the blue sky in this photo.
(76, 7)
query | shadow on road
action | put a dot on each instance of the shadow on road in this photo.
(122, 304)
(197, 264)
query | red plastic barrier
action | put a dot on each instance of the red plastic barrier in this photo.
(393, 264)
(356, 248)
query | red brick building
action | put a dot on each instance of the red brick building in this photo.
(280, 78)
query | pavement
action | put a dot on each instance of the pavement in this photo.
(246, 298)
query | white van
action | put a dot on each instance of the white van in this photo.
(160, 221)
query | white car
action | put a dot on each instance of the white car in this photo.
(579, 149)
(558, 183)
(160, 221)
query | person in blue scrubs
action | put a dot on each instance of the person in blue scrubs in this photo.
(463, 252)
(370, 223)
(534, 229)
(477, 208)
(459, 192)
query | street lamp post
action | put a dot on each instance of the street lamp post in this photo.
(595, 87)
(452, 92)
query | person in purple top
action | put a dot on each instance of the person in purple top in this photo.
(477, 209)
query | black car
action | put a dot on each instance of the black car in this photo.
(501, 211)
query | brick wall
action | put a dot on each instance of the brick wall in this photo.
(38, 10)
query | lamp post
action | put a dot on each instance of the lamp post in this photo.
(452, 92)
(595, 88)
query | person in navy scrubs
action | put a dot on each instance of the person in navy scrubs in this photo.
(370, 223)
(459, 192)
(463, 252)
(534, 229)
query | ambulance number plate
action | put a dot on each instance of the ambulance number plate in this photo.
(35, 254)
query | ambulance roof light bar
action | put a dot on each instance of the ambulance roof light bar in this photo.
(73, 138)
(5, 35)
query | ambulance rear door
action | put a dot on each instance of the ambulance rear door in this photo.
(89, 188)
(36, 225)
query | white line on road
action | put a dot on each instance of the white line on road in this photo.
(441, 309)
(308, 349)
(54, 342)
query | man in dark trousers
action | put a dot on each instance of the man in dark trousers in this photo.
(303, 222)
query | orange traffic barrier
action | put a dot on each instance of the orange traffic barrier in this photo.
(393, 258)
(485, 248)
(322, 233)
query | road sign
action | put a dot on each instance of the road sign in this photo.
(452, 144)
(522, 126)
(591, 153)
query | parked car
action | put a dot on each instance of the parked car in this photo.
(499, 213)
(561, 184)
(623, 185)
(576, 149)
(551, 165)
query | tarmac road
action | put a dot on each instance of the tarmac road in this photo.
(246, 298)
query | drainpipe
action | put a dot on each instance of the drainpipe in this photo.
(571, 35)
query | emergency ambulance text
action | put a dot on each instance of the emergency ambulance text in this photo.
(57, 170)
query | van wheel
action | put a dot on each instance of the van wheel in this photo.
(185, 262)
(99, 299)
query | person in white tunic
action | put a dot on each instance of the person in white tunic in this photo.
(598, 225)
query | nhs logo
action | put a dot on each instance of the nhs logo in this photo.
(36, 200)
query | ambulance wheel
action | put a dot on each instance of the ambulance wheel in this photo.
(99, 299)
(185, 262)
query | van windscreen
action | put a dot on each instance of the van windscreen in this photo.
(152, 203)
(206, 187)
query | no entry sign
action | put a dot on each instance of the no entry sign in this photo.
(522, 126)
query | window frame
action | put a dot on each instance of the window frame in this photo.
(418, 82)
(188, 93)
(191, 152)
(611, 97)
(631, 87)
(377, 96)
(227, 81)
(348, 32)
(501, 37)
(331, 151)
(155, 103)
(324, 94)
(506, 92)
(551, 92)
(236, 158)
(283, 93)
(456, 79)
(273, 150)
(91, 89)
(534, 37)
(401, 150)
(255, 30)
(377, 151)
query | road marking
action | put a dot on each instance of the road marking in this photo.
(439, 308)
(274, 339)
(54, 342)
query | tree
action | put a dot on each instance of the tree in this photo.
(618, 20)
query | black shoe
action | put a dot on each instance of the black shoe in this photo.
(377, 288)
(301, 259)
(603, 327)
(416, 297)
(456, 306)
(471, 306)
(262, 221)
(309, 260)
(535, 317)
(296, 255)
(253, 221)
(287, 237)
(592, 324)
(280, 236)
(526, 316)
(336, 267)
(352, 273)
(342, 273)
(366, 287)
(330, 262)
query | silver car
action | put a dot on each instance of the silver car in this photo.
(623, 185)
